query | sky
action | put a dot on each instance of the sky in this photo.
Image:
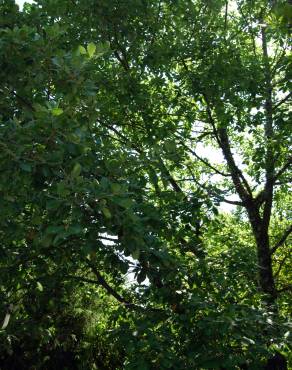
(21, 2)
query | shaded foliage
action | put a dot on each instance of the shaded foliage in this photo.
(113, 251)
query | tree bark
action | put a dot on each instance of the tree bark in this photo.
(265, 273)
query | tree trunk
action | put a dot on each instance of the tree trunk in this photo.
(265, 269)
(266, 278)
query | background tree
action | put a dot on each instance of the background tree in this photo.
(105, 107)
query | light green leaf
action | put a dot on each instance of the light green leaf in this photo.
(81, 50)
(57, 111)
(76, 170)
(91, 47)
(39, 286)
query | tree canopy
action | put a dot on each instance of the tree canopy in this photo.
(125, 126)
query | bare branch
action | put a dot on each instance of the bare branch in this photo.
(240, 182)
(234, 202)
(283, 100)
(214, 194)
(109, 239)
(283, 169)
(122, 61)
(226, 15)
(23, 100)
(281, 265)
(269, 133)
(107, 288)
(282, 240)
(102, 282)
(171, 180)
(205, 161)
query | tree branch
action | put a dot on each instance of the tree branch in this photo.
(122, 61)
(283, 100)
(226, 16)
(205, 161)
(240, 182)
(109, 239)
(282, 240)
(215, 195)
(171, 180)
(24, 101)
(269, 133)
(238, 178)
(283, 169)
(281, 265)
(102, 282)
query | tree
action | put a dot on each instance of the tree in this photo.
(104, 109)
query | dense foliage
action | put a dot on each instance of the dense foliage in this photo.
(115, 250)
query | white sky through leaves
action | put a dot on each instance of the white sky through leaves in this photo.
(21, 2)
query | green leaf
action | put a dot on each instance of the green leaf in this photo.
(74, 230)
(25, 167)
(91, 47)
(170, 146)
(116, 188)
(81, 49)
(39, 286)
(57, 111)
(125, 203)
(106, 212)
(53, 204)
(62, 189)
(102, 48)
(47, 240)
(76, 170)
(136, 254)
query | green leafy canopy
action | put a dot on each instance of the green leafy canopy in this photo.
(114, 245)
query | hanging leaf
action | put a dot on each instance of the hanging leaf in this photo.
(91, 47)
